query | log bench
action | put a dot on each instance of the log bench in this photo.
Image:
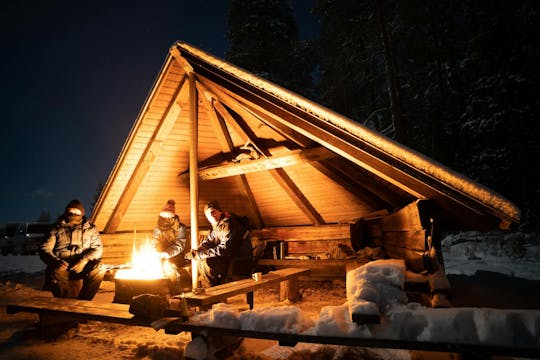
(286, 278)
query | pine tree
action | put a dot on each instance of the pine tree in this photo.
(263, 38)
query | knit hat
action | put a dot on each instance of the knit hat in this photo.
(168, 210)
(212, 205)
(75, 204)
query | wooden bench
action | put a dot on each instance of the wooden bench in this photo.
(119, 313)
(286, 278)
(320, 269)
(290, 339)
(77, 309)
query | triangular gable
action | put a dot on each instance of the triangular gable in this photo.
(275, 156)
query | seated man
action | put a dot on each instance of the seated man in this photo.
(169, 241)
(72, 254)
(229, 237)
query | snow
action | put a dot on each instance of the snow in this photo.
(402, 321)
(375, 288)
(375, 139)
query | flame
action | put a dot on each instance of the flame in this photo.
(145, 264)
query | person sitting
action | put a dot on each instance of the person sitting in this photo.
(169, 241)
(72, 253)
(230, 237)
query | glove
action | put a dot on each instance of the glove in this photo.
(163, 255)
(60, 264)
(79, 266)
(191, 254)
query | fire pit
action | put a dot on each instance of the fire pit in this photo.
(126, 289)
(147, 274)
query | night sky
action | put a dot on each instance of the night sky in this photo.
(75, 76)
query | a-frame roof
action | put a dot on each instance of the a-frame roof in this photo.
(270, 154)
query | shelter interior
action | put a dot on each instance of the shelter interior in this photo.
(316, 184)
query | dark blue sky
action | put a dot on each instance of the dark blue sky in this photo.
(75, 75)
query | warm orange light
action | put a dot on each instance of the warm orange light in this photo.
(145, 264)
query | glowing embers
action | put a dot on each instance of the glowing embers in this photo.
(145, 264)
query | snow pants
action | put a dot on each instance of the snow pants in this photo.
(64, 283)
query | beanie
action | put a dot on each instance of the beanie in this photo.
(75, 204)
(212, 205)
(168, 210)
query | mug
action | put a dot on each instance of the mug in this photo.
(257, 276)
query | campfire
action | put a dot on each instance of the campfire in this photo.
(146, 274)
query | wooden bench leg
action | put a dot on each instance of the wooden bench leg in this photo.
(288, 289)
(249, 299)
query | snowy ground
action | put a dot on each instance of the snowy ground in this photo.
(466, 257)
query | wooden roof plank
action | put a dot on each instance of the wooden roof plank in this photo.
(228, 145)
(152, 149)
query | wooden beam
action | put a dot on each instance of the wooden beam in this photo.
(273, 162)
(322, 136)
(227, 145)
(297, 196)
(193, 174)
(354, 187)
(129, 143)
(362, 178)
(153, 148)
(279, 174)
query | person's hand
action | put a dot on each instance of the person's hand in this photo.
(79, 266)
(163, 255)
(60, 264)
(191, 254)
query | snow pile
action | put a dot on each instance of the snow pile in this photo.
(463, 326)
(224, 315)
(374, 287)
(282, 319)
(511, 254)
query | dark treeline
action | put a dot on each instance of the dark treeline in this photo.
(455, 80)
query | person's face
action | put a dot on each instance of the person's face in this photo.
(165, 220)
(74, 216)
(212, 215)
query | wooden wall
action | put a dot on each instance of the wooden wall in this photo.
(402, 235)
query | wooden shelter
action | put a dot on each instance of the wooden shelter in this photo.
(300, 172)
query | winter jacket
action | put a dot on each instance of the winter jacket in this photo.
(230, 237)
(71, 244)
(170, 238)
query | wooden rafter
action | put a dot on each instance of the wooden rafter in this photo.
(227, 145)
(297, 196)
(279, 175)
(152, 150)
(322, 136)
(358, 176)
(351, 186)
(294, 157)
(343, 179)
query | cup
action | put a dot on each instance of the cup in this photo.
(257, 276)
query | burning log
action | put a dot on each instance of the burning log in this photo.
(147, 274)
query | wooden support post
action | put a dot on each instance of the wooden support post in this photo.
(193, 174)
(288, 289)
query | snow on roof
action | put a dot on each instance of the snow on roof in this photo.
(399, 151)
